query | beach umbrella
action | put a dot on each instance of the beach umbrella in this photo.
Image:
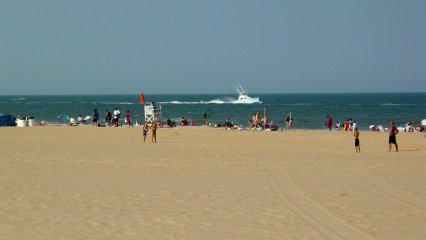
(64, 117)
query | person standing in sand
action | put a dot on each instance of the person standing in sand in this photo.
(356, 136)
(329, 122)
(129, 118)
(154, 127)
(287, 120)
(392, 136)
(108, 117)
(95, 117)
(144, 131)
(290, 124)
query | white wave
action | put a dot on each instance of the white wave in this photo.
(17, 99)
(110, 103)
(179, 102)
(297, 104)
(392, 104)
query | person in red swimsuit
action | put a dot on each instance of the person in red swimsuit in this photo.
(329, 122)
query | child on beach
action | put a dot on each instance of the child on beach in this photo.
(144, 131)
(129, 118)
(356, 136)
(154, 131)
(337, 126)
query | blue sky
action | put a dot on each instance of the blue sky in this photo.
(122, 47)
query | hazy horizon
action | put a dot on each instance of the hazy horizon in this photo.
(191, 47)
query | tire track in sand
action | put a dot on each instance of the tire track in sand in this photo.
(389, 190)
(312, 213)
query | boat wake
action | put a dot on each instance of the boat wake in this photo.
(243, 98)
(215, 101)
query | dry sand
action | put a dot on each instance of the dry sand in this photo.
(201, 183)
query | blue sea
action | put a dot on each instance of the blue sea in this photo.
(308, 111)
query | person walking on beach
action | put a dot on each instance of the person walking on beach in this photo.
(154, 131)
(144, 131)
(129, 118)
(117, 114)
(392, 136)
(356, 136)
(95, 117)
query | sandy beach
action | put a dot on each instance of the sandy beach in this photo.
(205, 183)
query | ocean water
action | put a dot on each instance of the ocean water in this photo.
(308, 111)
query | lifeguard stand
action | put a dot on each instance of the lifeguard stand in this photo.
(152, 112)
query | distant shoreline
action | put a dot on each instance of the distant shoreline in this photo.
(308, 110)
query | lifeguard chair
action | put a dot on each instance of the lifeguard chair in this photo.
(152, 112)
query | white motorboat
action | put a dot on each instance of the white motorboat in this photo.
(243, 96)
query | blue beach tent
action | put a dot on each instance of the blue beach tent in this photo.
(7, 120)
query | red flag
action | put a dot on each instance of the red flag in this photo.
(141, 98)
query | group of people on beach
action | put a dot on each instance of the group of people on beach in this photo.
(409, 127)
(111, 119)
(348, 124)
(145, 129)
(393, 131)
(255, 123)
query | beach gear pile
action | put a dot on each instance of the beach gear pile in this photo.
(7, 120)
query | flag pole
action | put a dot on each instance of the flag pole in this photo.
(264, 118)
